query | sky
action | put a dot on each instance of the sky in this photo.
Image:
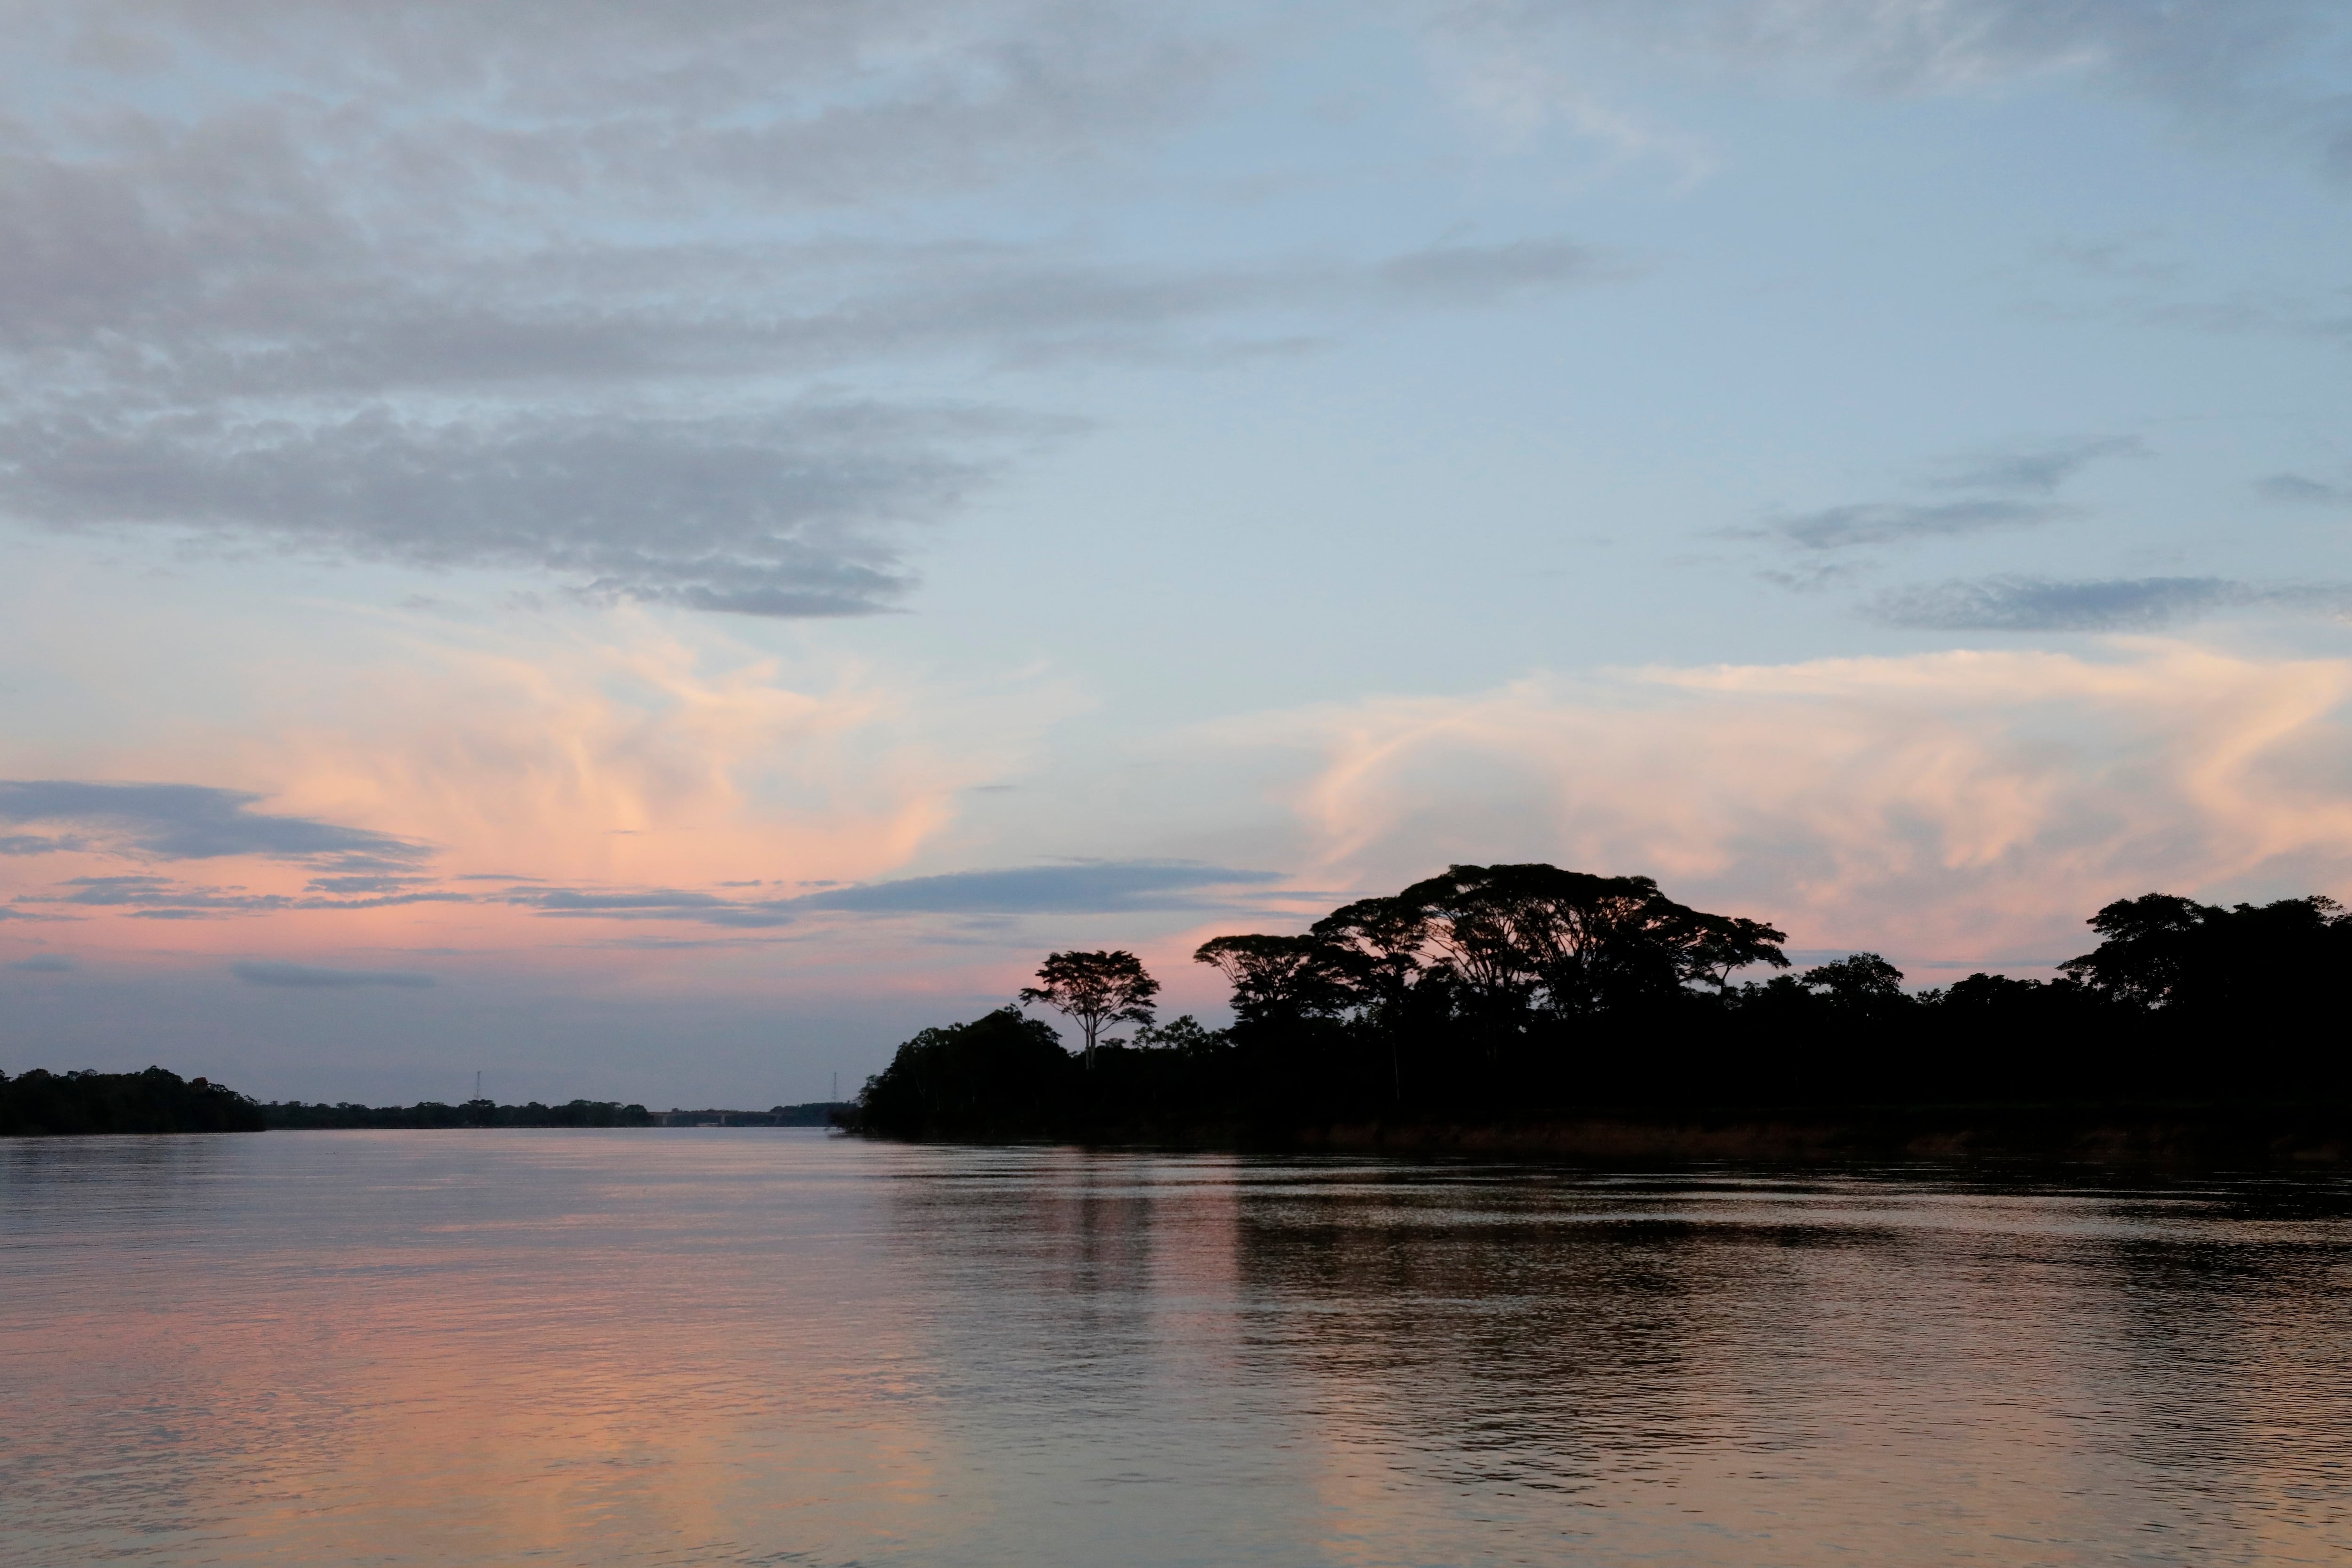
(649, 552)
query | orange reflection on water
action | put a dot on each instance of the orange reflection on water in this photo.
(757, 1346)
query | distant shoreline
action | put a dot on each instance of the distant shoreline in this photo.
(38, 1103)
(2101, 1134)
(2289, 1135)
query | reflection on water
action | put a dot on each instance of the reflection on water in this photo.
(760, 1346)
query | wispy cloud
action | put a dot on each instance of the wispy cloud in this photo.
(1095, 886)
(35, 844)
(162, 898)
(1090, 887)
(187, 822)
(1891, 522)
(775, 516)
(313, 977)
(652, 904)
(2033, 470)
(2300, 490)
(256, 320)
(2039, 604)
(2020, 604)
(2237, 63)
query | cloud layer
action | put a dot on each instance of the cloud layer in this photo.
(2237, 61)
(590, 292)
(185, 821)
(1969, 806)
(315, 977)
(1888, 523)
(2019, 603)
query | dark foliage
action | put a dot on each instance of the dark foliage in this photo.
(1496, 992)
(153, 1102)
(810, 1114)
(293, 1114)
(999, 1073)
(1092, 989)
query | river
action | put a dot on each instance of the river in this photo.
(763, 1346)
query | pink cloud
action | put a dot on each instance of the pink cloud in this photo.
(1948, 808)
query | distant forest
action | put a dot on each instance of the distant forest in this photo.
(294, 1114)
(65, 1104)
(1496, 992)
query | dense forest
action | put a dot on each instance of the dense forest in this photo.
(39, 1101)
(1496, 992)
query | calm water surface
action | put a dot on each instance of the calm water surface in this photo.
(760, 1346)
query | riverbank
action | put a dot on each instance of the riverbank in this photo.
(2256, 1134)
(2290, 1135)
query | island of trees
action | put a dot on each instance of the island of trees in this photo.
(1526, 996)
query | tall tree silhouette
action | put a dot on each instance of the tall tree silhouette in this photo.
(1497, 992)
(2203, 963)
(2146, 945)
(1281, 979)
(1092, 989)
(1573, 944)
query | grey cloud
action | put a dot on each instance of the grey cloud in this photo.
(701, 312)
(1102, 887)
(1814, 576)
(33, 844)
(2298, 490)
(764, 517)
(161, 898)
(1481, 275)
(2033, 603)
(1889, 523)
(823, 102)
(189, 822)
(651, 904)
(569, 901)
(2097, 605)
(2032, 470)
(2234, 59)
(814, 102)
(121, 890)
(390, 900)
(790, 512)
(2028, 470)
(345, 887)
(46, 963)
(414, 303)
(311, 977)
(2270, 313)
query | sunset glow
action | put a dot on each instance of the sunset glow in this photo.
(653, 557)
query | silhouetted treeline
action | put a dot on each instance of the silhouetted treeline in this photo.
(294, 1114)
(60, 1104)
(1492, 993)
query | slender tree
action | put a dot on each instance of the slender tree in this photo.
(1092, 989)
